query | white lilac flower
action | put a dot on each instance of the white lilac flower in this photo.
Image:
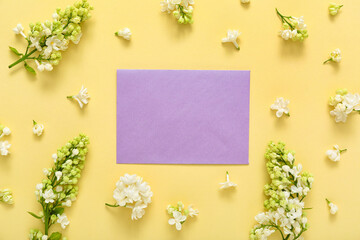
(344, 103)
(82, 98)
(43, 66)
(192, 212)
(58, 175)
(333, 208)
(6, 196)
(5, 131)
(44, 237)
(63, 220)
(231, 37)
(46, 40)
(334, 8)
(4, 148)
(124, 33)
(281, 107)
(177, 220)
(49, 196)
(38, 128)
(245, 1)
(132, 192)
(294, 28)
(179, 214)
(335, 56)
(181, 9)
(19, 29)
(59, 188)
(334, 154)
(286, 192)
(228, 183)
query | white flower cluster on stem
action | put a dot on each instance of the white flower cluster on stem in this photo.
(294, 28)
(4, 145)
(288, 188)
(134, 193)
(181, 9)
(46, 40)
(59, 188)
(38, 128)
(179, 214)
(82, 97)
(344, 103)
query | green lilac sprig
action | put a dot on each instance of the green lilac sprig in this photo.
(284, 208)
(59, 188)
(334, 8)
(45, 41)
(294, 28)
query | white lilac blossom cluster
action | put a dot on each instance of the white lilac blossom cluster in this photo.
(4, 145)
(344, 103)
(335, 56)
(179, 214)
(59, 188)
(38, 128)
(6, 196)
(82, 97)
(294, 28)
(46, 40)
(334, 8)
(232, 36)
(228, 183)
(286, 192)
(134, 193)
(181, 9)
(124, 33)
(281, 107)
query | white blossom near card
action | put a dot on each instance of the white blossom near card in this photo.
(228, 183)
(281, 107)
(82, 97)
(179, 214)
(232, 36)
(134, 193)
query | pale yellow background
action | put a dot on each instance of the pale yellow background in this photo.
(278, 68)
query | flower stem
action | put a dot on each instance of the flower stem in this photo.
(23, 58)
(110, 205)
(327, 60)
(284, 19)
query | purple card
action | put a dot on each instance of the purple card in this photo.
(183, 116)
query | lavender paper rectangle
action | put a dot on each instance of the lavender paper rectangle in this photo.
(183, 116)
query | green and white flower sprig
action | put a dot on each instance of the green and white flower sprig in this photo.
(286, 192)
(4, 145)
(179, 214)
(334, 8)
(46, 40)
(59, 188)
(181, 9)
(335, 56)
(134, 193)
(38, 128)
(6, 196)
(344, 103)
(294, 28)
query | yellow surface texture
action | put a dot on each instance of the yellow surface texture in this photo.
(278, 68)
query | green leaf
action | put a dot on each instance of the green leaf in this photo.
(15, 51)
(34, 215)
(29, 69)
(55, 236)
(58, 210)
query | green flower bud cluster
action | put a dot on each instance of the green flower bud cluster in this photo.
(48, 38)
(36, 234)
(184, 14)
(334, 8)
(59, 189)
(338, 98)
